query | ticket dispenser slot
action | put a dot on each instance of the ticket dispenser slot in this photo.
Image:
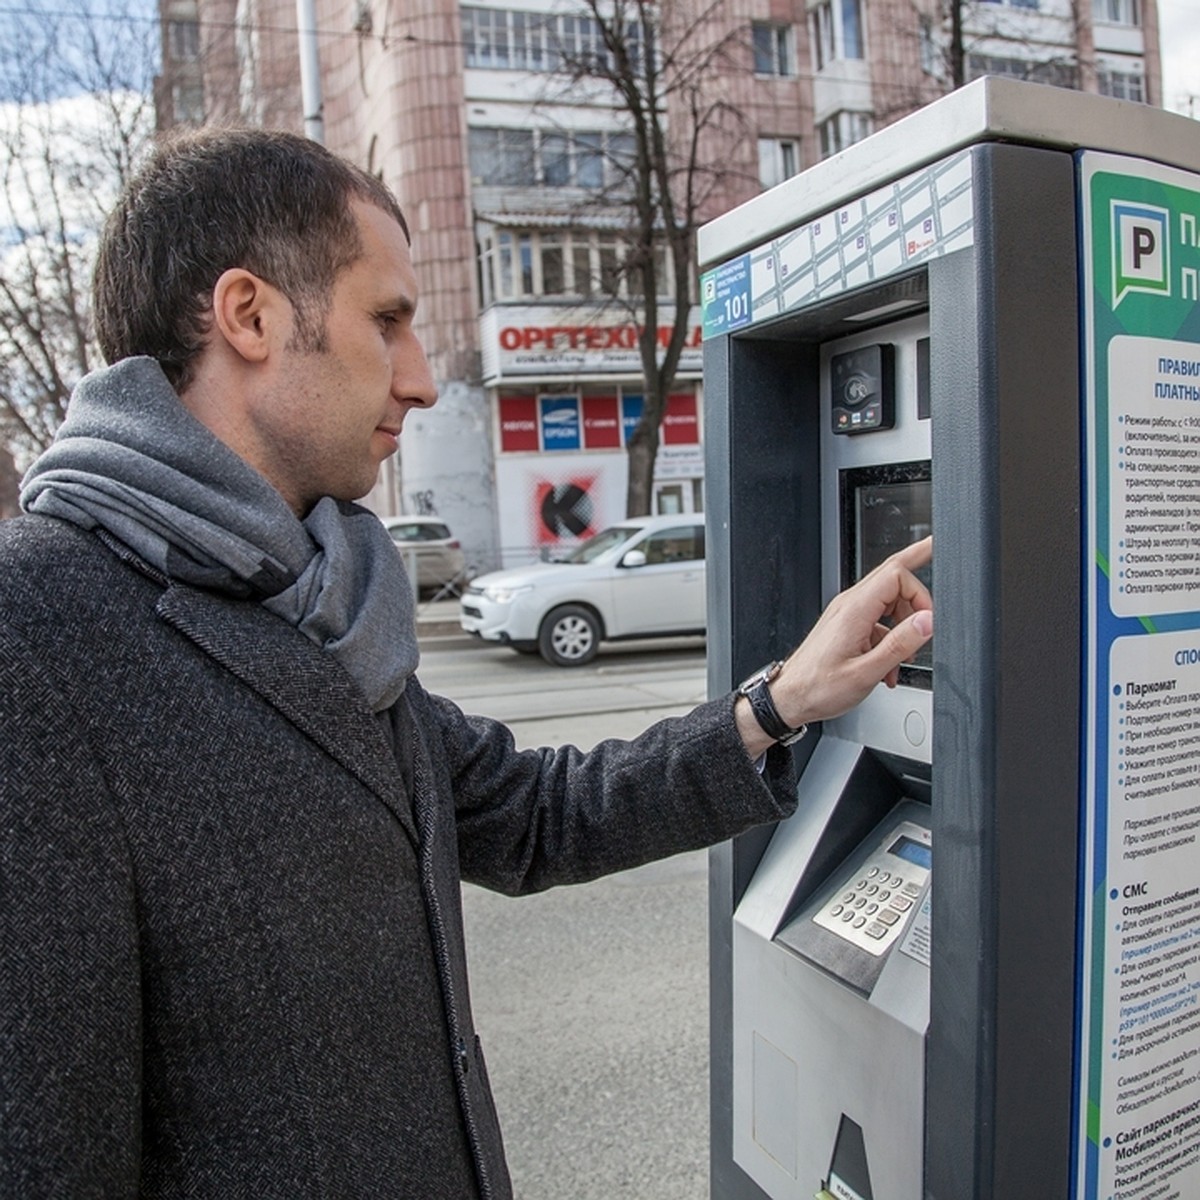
(829, 1055)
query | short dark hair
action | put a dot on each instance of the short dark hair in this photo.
(273, 203)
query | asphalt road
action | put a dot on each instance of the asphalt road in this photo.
(592, 1001)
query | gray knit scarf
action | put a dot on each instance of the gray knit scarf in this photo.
(132, 460)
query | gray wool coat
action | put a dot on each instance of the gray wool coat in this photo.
(231, 942)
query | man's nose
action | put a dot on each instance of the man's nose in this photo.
(413, 380)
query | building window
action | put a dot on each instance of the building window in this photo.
(481, 30)
(778, 159)
(578, 42)
(187, 103)
(841, 130)
(1057, 74)
(773, 49)
(588, 159)
(836, 30)
(554, 265)
(501, 39)
(1124, 85)
(502, 157)
(605, 270)
(1015, 3)
(516, 265)
(1117, 12)
(183, 40)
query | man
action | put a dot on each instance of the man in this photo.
(232, 823)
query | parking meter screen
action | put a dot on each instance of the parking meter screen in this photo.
(912, 851)
(891, 507)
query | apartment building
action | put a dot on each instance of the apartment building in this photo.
(512, 170)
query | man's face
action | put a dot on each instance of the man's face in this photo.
(334, 415)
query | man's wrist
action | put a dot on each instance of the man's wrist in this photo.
(757, 691)
(756, 742)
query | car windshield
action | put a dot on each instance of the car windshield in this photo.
(600, 544)
(418, 533)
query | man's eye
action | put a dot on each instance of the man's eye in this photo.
(388, 320)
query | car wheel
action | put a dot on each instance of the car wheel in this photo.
(570, 636)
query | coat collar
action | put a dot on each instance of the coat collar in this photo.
(299, 679)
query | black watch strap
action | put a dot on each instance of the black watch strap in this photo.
(766, 714)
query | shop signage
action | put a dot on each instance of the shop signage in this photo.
(601, 427)
(518, 423)
(560, 422)
(535, 342)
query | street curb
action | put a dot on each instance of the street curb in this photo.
(438, 627)
(439, 618)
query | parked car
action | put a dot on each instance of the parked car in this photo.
(431, 550)
(641, 578)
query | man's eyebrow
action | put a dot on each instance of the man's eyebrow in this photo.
(403, 305)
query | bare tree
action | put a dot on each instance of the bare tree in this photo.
(75, 116)
(969, 26)
(939, 45)
(658, 63)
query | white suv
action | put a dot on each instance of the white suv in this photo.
(641, 578)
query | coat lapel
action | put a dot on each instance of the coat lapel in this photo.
(299, 679)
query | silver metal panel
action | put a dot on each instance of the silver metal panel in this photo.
(893, 720)
(850, 1057)
(806, 1047)
(990, 109)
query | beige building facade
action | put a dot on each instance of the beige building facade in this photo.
(507, 173)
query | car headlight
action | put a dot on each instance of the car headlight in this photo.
(504, 595)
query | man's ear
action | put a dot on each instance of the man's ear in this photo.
(249, 315)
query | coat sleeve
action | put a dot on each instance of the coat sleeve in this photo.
(70, 1034)
(529, 820)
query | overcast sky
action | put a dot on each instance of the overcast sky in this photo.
(1179, 30)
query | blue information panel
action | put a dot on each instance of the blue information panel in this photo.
(1138, 1051)
(725, 297)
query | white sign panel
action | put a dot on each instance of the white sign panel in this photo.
(533, 342)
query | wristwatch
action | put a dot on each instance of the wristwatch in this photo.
(756, 689)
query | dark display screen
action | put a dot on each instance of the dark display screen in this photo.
(912, 851)
(884, 509)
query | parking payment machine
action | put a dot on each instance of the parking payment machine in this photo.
(922, 982)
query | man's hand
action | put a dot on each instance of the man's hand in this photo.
(863, 636)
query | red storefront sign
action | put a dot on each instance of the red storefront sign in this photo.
(518, 423)
(601, 424)
(680, 425)
(585, 337)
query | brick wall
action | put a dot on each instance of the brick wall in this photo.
(394, 104)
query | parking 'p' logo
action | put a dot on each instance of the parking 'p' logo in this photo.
(1141, 252)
